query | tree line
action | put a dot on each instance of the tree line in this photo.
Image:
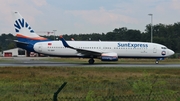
(168, 35)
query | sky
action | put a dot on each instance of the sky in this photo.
(88, 16)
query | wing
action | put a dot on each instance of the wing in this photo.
(82, 51)
(88, 52)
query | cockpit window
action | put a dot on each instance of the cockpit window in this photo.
(163, 47)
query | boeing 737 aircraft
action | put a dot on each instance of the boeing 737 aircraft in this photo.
(104, 50)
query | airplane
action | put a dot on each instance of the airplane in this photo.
(104, 50)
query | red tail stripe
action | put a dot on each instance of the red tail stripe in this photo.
(33, 38)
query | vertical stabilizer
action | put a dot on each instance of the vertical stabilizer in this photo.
(23, 29)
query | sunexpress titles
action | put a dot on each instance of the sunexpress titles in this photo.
(132, 45)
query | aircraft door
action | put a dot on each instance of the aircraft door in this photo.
(40, 47)
(154, 49)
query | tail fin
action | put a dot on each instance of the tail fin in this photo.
(23, 29)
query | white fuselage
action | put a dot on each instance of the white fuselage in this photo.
(123, 49)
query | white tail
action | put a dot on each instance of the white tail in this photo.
(22, 28)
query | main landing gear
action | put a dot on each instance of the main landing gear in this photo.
(91, 61)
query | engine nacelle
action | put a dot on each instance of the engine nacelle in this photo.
(109, 57)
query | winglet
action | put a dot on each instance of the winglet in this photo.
(64, 41)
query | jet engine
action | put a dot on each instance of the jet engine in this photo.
(109, 57)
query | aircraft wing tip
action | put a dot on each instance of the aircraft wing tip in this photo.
(61, 36)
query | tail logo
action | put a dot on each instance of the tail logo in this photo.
(20, 23)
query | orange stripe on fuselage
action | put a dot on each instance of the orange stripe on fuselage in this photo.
(32, 38)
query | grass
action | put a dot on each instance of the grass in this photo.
(34, 83)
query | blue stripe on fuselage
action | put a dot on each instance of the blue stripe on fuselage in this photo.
(30, 46)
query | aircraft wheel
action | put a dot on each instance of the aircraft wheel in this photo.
(157, 62)
(91, 61)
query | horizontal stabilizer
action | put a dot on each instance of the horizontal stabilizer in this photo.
(19, 42)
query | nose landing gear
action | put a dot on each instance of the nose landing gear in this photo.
(157, 60)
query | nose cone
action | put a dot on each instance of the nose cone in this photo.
(171, 52)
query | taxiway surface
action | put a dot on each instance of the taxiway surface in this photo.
(31, 62)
